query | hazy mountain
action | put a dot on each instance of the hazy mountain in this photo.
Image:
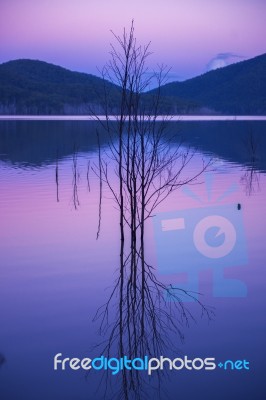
(36, 87)
(236, 89)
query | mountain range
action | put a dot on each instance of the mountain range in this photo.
(36, 87)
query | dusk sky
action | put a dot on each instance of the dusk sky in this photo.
(190, 36)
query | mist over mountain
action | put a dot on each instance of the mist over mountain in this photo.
(36, 87)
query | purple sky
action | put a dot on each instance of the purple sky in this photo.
(190, 36)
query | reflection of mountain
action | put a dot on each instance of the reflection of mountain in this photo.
(36, 87)
(41, 142)
(38, 142)
(228, 140)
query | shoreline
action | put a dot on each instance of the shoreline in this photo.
(114, 117)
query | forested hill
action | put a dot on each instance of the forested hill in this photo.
(236, 89)
(37, 87)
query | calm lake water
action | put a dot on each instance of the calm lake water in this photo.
(54, 274)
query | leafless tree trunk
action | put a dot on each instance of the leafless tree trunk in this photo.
(148, 167)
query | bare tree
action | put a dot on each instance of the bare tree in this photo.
(148, 168)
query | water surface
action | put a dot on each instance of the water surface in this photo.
(55, 274)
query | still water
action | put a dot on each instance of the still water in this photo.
(54, 274)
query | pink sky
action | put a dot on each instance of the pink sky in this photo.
(190, 36)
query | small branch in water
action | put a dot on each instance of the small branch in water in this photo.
(57, 177)
(2, 359)
(100, 187)
(88, 179)
(75, 179)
